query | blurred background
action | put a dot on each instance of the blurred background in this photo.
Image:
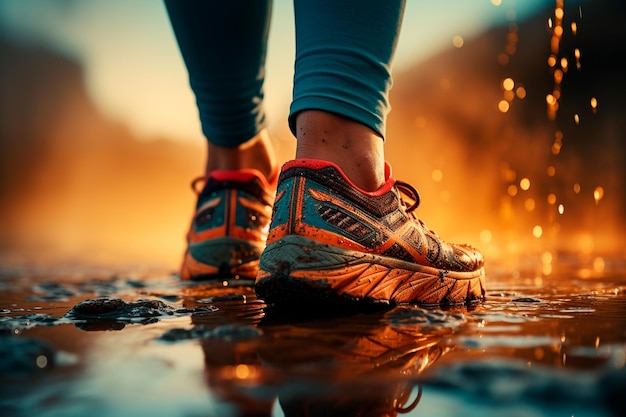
(508, 116)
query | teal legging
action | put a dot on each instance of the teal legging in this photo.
(344, 50)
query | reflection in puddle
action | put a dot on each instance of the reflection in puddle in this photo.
(156, 346)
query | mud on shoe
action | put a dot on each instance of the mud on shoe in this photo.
(230, 225)
(332, 244)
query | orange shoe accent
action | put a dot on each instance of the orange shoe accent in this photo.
(230, 226)
(330, 240)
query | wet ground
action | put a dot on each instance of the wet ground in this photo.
(550, 340)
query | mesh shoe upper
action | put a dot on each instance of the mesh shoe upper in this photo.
(318, 208)
(230, 225)
(379, 222)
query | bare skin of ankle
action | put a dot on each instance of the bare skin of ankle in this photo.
(257, 153)
(354, 147)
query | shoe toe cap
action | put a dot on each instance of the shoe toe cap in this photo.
(469, 258)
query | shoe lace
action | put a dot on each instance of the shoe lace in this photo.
(407, 190)
(195, 182)
(411, 199)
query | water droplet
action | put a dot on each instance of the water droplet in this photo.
(558, 76)
(512, 190)
(551, 198)
(242, 371)
(598, 193)
(508, 174)
(558, 31)
(558, 12)
(524, 184)
(539, 353)
(41, 361)
(598, 264)
(503, 59)
(485, 236)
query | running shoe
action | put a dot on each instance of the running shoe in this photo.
(230, 225)
(331, 243)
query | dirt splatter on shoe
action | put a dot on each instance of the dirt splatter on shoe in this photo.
(230, 225)
(331, 243)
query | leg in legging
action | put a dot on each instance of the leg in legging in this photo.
(223, 45)
(342, 78)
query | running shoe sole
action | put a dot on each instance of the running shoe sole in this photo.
(295, 270)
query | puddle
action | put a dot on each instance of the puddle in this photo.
(79, 340)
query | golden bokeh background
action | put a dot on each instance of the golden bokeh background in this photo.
(513, 134)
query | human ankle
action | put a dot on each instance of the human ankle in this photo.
(352, 146)
(256, 153)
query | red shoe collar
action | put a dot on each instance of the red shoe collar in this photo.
(317, 164)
